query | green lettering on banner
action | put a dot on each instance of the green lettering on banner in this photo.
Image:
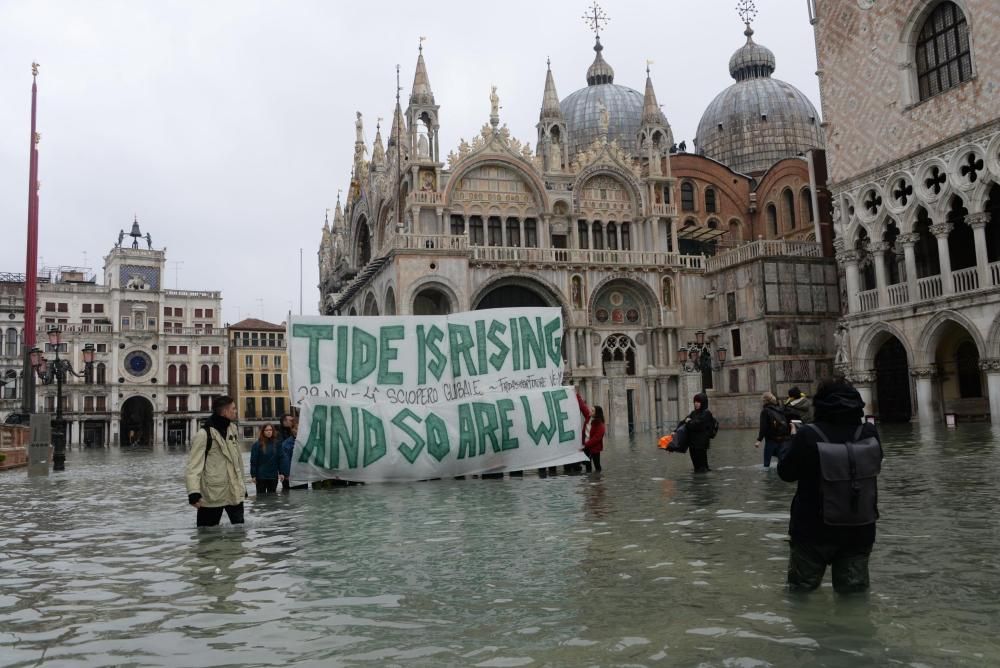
(374, 437)
(409, 451)
(505, 406)
(364, 354)
(554, 342)
(427, 341)
(487, 424)
(387, 353)
(515, 344)
(466, 432)
(314, 450)
(555, 399)
(341, 434)
(315, 334)
(437, 437)
(531, 343)
(461, 343)
(497, 359)
(541, 430)
(481, 344)
(342, 354)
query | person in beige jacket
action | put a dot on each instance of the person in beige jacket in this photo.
(215, 479)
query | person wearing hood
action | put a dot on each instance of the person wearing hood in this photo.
(798, 406)
(839, 414)
(699, 423)
(214, 474)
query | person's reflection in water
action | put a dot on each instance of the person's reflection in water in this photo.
(214, 573)
(844, 624)
(595, 499)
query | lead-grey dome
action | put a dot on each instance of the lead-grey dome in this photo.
(758, 120)
(582, 111)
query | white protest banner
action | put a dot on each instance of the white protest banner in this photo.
(425, 360)
(379, 442)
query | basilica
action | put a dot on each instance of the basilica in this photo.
(676, 268)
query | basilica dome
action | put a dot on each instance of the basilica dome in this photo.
(758, 120)
(582, 109)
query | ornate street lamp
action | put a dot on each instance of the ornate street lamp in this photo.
(57, 372)
(697, 355)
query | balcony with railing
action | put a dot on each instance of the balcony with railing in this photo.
(929, 288)
(763, 248)
(868, 300)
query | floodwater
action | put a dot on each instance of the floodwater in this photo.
(644, 565)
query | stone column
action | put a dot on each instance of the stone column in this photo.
(617, 413)
(654, 419)
(941, 232)
(673, 234)
(655, 224)
(879, 250)
(991, 366)
(849, 258)
(440, 215)
(924, 377)
(863, 382)
(618, 236)
(590, 234)
(909, 242)
(570, 338)
(978, 221)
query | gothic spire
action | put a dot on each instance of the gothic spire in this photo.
(421, 92)
(378, 151)
(651, 112)
(550, 98)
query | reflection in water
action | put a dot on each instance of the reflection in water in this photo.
(644, 564)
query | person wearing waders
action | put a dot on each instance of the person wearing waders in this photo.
(834, 462)
(214, 474)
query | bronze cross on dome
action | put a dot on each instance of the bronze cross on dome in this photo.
(747, 9)
(596, 18)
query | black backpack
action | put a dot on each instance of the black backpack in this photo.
(713, 427)
(849, 473)
(780, 428)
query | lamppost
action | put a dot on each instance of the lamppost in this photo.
(57, 371)
(697, 356)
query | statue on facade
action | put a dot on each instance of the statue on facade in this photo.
(494, 102)
(149, 241)
(359, 129)
(842, 345)
(604, 119)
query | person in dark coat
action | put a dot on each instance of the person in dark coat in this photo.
(798, 406)
(774, 430)
(838, 411)
(699, 425)
(265, 460)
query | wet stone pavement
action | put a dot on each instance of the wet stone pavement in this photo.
(643, 565)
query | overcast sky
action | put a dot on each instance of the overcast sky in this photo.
(228, 127)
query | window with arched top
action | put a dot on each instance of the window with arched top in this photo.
(215, 374)
(182, 374)
(597, 232)
(204, 374)
(667, 293)
(612, 236)
(807, 203)
(172, 374)
(788, 200)
(943, 54)
(687, 196)
(772, 221)
(102, 374)
(619, 348)
(710, 200)
(10, 346)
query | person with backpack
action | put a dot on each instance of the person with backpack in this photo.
(214, 474)
(774, 428)
(265, 460)
(835, 462)
(287, 450)
(798, 406)
(700, 427)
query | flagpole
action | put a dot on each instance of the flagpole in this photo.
(31, 255)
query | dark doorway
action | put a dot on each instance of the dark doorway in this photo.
(970, 378)
(630, 403)
(137, 423)
(892, 382)
(510, 296)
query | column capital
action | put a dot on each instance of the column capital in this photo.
(908, 239)
(839, 245)
(862, 378)
(848, 257)
(942, 230)
(924, 371)
(990, 365)
(980, 219)
(880, 247)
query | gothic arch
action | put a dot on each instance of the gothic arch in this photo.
(632, 186)
(993, 340)
(389, 302)
(870, 342)
(907, 45)
(646, 296)
(439, 283)
(546, 290)
(930, 336)
(371, 305)
(535, 184)
(361, 233)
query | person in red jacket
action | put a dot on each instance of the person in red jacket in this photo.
(595, 441)
(584, 419)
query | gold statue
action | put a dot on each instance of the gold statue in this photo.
(34, 69)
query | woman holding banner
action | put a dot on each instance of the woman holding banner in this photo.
(594, 444)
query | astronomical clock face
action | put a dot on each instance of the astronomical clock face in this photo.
(138, 363)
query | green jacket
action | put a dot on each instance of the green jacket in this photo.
(219, 477)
